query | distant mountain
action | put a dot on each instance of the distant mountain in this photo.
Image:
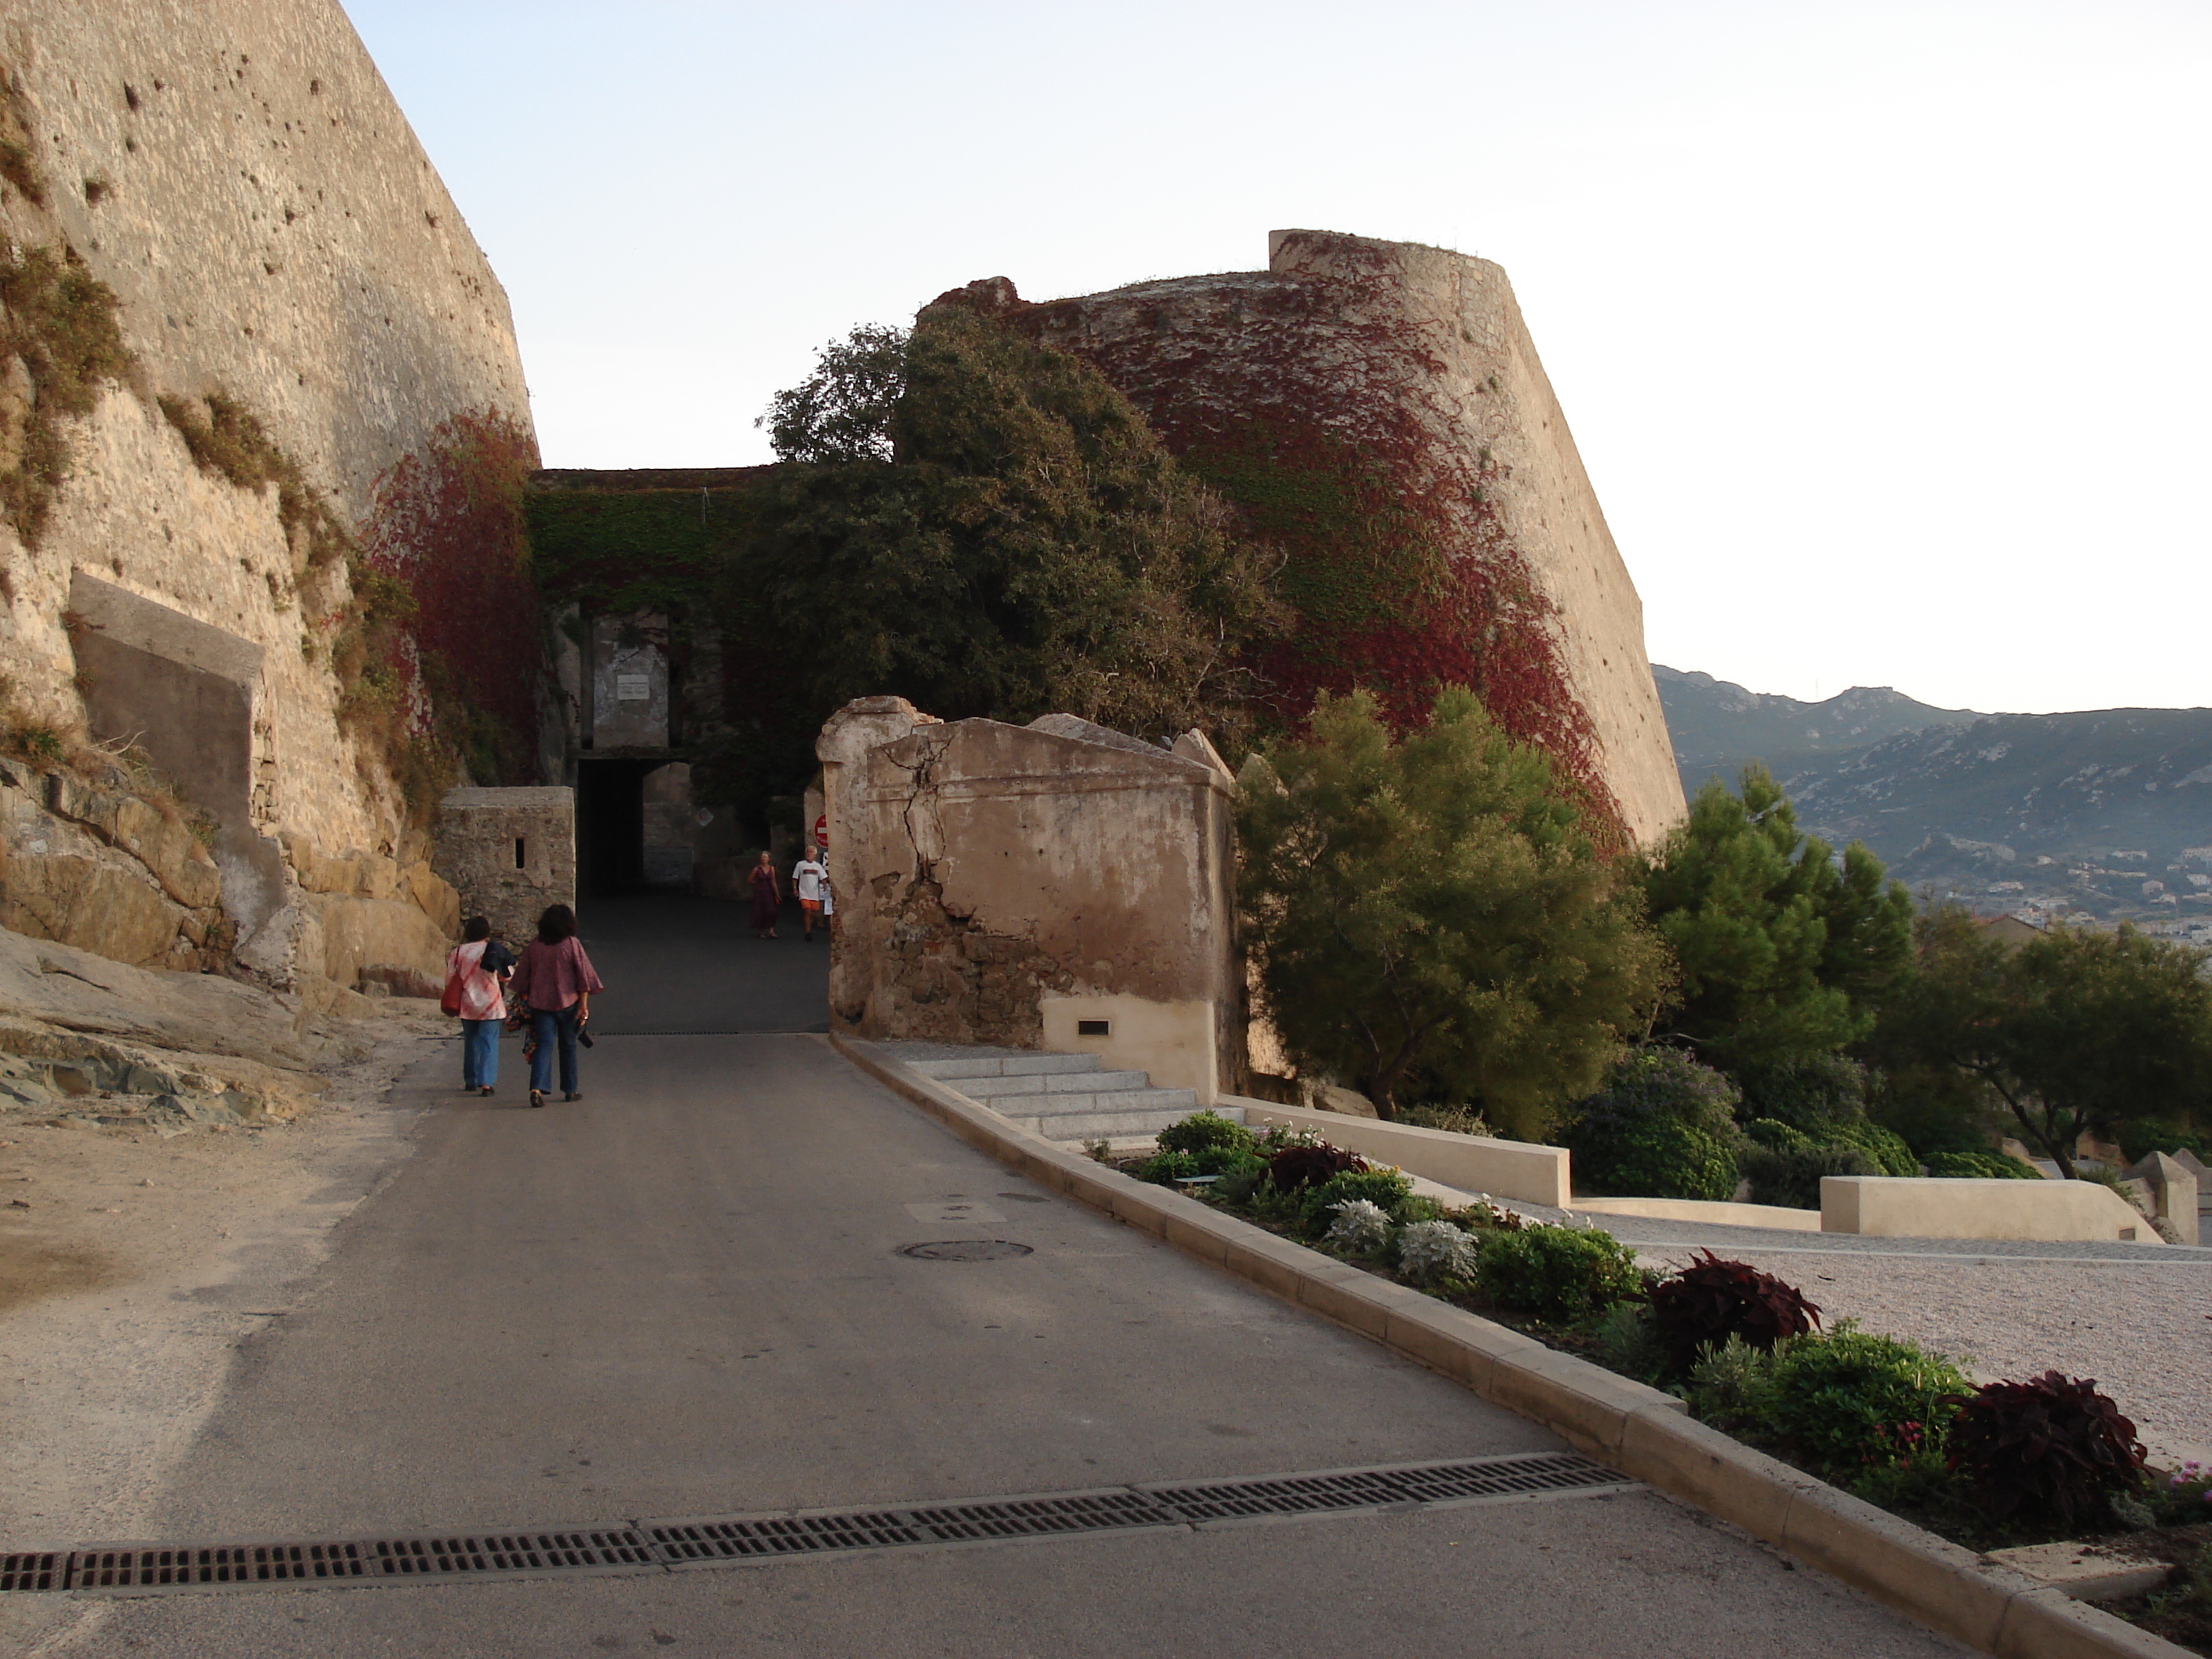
(1719, 727)
(2107, 812)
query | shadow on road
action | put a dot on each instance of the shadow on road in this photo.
(673, 962)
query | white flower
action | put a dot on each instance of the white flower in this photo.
(1359, 1225)
(1436, 1249)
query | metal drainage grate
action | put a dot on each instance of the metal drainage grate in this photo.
(136, 1568)
(158, 1568)
(1493, 1477)
(965, 1249)
(33, 1570)
(752, 1538)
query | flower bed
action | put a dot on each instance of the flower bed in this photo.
(2036, 1460)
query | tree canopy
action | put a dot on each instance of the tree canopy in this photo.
(1782, 954)
(2075, 1031)
(985, 527)
(1431, 912)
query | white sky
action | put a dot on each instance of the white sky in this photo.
(1883, 328)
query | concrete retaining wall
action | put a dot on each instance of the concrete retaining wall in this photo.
(1473, 1164)
(1896, 1207)
(1698, 1210)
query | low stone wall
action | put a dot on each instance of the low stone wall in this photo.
(1723, 1214)
(1899, 1207)
(1473, 1164)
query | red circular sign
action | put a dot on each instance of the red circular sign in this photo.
(821, 830)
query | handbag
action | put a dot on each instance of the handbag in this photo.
(450, 1003)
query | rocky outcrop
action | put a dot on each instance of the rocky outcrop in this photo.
(269, 335)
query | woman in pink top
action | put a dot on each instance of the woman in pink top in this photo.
(479, 962)
(556, 978)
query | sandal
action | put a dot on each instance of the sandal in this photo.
(537, 1096)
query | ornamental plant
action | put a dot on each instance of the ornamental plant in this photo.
(1386, 1190)
(1297, 1167)
(1430, 1250)
(1360, 1226)
(1711, 1300)
(1206, 1131)
(2050, 1447)
(1557, 1274)
(1841, 1400)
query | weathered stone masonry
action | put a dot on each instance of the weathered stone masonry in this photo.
(242, 180)
(1012, 885)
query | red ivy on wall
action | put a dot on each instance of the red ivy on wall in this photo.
(1313, 406)
(447, 524)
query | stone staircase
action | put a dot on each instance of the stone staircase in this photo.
(1071, 1098)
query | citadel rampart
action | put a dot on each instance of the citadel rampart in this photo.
(1378, 408)
(305, 415)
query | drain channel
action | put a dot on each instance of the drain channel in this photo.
(724, 1540)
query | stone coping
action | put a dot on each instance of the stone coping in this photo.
(1643, 1432)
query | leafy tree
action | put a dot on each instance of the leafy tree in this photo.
(1782, 955)
(985, 527)
(1433, 908)
(2075, 1031)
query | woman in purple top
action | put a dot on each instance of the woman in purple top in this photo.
(554, 977)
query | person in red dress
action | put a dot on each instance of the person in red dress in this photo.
(767, 897)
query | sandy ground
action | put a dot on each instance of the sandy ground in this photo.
(131, 1266)
(2144, 1333)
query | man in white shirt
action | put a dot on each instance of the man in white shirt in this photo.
(807, 876)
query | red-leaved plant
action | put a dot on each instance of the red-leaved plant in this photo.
(2051, 1446)
(1711, 1300)
(1296, 1168)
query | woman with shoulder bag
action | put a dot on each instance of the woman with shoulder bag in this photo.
(475, 969)
(556, 978)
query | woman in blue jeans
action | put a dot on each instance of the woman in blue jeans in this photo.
(556, 978)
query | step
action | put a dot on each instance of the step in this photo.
(1181, 1100)
(989, 1065)
(1108, 1126)
(1049, 1082)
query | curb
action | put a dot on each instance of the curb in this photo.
(1638, 1430)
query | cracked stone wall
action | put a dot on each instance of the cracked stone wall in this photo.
(1006, 884)
(242, 179)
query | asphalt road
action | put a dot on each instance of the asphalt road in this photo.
(673, 962)
(682, 1296)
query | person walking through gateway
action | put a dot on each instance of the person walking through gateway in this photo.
(768, 895)
(555, 978)
(475, 971)
(806, 877)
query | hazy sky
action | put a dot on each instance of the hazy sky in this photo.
(1883, 329)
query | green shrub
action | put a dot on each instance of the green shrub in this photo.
(1775, 1135)
(1557, 1274)
(1207, 1132)
(1628, 1342)
(1980, 1166)
(1810, 1093)
(1891, 1157)
(1165, 1168)
(1792, 1179)
(1731, 1386)
(1386, 1190)
(1663, 1127)
(2139, 1137)
(1242, 1174)
(1849, 1399)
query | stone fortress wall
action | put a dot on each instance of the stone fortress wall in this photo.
(1367, 340)
(242, 178)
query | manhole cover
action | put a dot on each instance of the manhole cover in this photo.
(965, 1249)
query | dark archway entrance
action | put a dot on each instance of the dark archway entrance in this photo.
(610, 825)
